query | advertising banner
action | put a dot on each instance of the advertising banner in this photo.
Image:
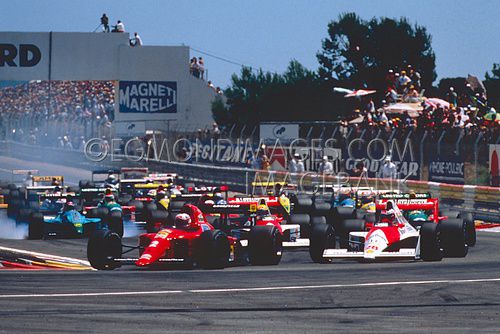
(284, 132)
(24, 56)
(373, 153)
(148, 97)
(447, 168)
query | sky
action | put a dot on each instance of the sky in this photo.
(268, 34)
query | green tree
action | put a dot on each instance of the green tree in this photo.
(295, 95)
(357, 53)
(492, 84)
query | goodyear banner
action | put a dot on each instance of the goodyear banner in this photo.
(148, 97)
(447, 168)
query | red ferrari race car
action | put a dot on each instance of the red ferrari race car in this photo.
(191, 241)
(280, 211)
(393, 235)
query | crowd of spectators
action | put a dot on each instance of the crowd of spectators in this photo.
(452, 112)
(57, 113)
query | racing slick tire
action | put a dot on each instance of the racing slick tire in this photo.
(85, 184)
(265, 245)
(453, 237)
(22, 192)
(14, 207)
(24, 216)
(344, 212)
(175, 206)
(103, 247)
(15, 194)
(122, 200)
(322, 237)
(115, 222)
(156, 219)
(35, 226)
(304, 220)
(470, 228)
(318, 220)
(213, 250)
(345, 227)
(451, 214)
(430, 249)
(302, 203)
(320, 208)
(11, 186)
(75, 190)
(139, 206)
(100, 212)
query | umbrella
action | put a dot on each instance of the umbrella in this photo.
(439, 103)
(475, 83)
(413, 109)
(342, 90)
(360, 92)
(357, 120)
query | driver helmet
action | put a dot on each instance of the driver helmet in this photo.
(68, 206)
(365, 199)
(182, 220)
(262, 210)
(344, 195)
(111, 178)
(57, 189)
(387, 217)
(160, 194)
(209, 202)
(108, 196)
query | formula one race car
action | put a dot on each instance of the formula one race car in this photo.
(391, 235)
(279, 214)
(58, 217)
(191, 241)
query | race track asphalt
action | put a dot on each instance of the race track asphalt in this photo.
(297, 296)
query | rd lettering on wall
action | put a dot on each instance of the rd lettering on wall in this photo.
(148, 97)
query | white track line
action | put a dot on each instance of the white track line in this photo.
(201, 291)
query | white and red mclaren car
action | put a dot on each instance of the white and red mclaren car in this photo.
(392, 235)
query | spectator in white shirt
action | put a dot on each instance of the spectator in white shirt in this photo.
(296, 165)
(119, 27)
(388, 170)
(325, 167)
(136, 41)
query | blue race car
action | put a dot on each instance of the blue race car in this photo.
(69, 223)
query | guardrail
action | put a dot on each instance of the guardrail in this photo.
(483, 201)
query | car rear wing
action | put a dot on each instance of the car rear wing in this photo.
(106, 172)
(47, 178)
(276, 204)
(226, 209)
(44, 196)
(127, 171)
(407, 204)
(162, 176)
